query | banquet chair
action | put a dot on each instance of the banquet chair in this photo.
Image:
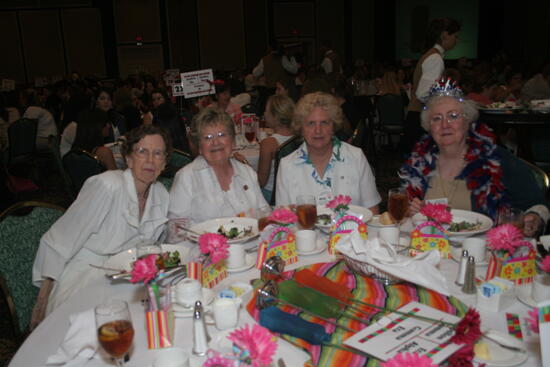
(284, 149)
(53, 144)
(21, 228)
(391, 116)
(81, 165)
(541, 177)
(22, 141)
(178, 160)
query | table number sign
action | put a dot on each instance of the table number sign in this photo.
(429, 236)
(398, 333)
(171, 76)
(209, 273)
(197, 83)
(280, 242)
(339, 230)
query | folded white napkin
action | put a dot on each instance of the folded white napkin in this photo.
(80, 342)
(419, 270)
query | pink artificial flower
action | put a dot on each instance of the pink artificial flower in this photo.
(217, 360)
(340, 202)
(545, 264)
(505, 237)
(214, 245)
(145, 269)
(533, 320)
(283, 216)
(257, 341)
(462, 357)
(468, 330)
(409, 360)
(439, 213)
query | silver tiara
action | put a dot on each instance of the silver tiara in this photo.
(446, 88)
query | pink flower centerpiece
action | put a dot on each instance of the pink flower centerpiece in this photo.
(505, 239)
(339, 204)
(145, 269)
(545, 264)
(468, 330)
(533, 320)
(439, 213)
(213, 247)
(283, 217)
(256, 345)
(409, 360)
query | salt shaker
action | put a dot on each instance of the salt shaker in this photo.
(200, 339)
(462, 268)
(469, 286)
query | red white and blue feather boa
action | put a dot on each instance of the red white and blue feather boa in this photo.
(482, 170)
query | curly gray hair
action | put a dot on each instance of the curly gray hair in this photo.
(469, 110)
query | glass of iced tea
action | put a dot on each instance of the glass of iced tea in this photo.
(306, 211)
(262, 214)
(398, 203)
(114, 329)
(512, 216)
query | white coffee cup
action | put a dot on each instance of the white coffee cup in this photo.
(188, 291)
(226, 312)
(389, 234)
(306, 240)
(476, 247)
(236, 258)
(541, 288)
(171, 357)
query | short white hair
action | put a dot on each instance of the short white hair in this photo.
(469, 110)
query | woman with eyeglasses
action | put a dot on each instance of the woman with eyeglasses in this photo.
(114, 211)
(459, 163)
(214, 185)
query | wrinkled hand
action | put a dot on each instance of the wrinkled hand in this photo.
(415, 206)
(175, 233)
(532, 224)
(41, 305)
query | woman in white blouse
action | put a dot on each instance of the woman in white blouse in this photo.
(214, 185)
(113, 212)
(323, 165)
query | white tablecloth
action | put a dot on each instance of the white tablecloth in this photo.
(45, 339)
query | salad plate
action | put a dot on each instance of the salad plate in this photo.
(465, 223)
(235, 229)
(500, 355)
(123, 260)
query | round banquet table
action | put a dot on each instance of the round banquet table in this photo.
(46, 338)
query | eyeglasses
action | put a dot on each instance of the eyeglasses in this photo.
(209, 138)
(452, 117)
(144, 153)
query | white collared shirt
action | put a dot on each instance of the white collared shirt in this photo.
(432, 69)
(197, 195)
(348, 173)
(102, 221)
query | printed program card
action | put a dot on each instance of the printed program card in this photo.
(402, 333)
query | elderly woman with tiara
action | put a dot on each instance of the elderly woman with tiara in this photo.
(459, 162)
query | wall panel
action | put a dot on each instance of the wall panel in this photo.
(137, 18)
(42, 43)
(84, 45)
(221, 34)
(11, 62)
(183, 34)
(136, 59)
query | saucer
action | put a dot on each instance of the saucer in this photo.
(525, 297)
(320, 246)
(249, 262)
(181, 311)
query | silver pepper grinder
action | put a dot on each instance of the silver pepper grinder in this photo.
(462, 268)
(469, 286)
(200, 336)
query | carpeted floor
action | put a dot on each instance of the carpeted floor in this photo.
(384, 164)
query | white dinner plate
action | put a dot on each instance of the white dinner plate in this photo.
(124, 260)
(320, 246)
(358, 211)
(500, 356)
(212, 226)
(249, 262)
(181, 311)
(461, 216)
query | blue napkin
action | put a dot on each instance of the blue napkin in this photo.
(285, 323)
